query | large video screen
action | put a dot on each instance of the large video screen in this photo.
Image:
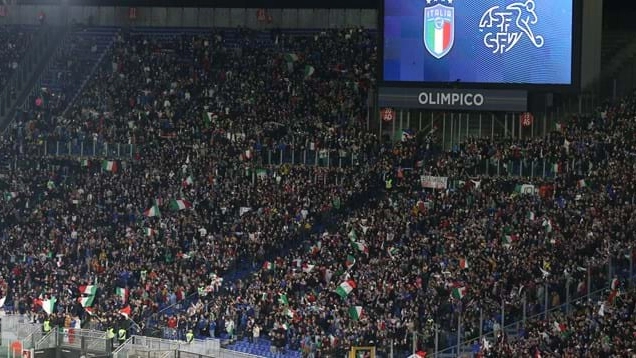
(478, 41)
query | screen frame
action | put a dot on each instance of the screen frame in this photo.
(575, 65)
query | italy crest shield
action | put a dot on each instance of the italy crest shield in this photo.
(439, 29)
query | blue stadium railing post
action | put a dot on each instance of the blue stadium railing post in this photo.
(567, 295)
(631, 269)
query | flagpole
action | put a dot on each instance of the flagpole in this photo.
(459, 331)
(436, 339)
(545, 299)
(481, 322)
(525, 300)
(503, 312)
(567, 295)
(414, 348)
(631, 269)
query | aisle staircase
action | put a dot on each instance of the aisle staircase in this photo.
(72, 64)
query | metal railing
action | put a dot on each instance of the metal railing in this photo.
(530, 168)
(86, 149)
(48, 341)
(92, 148)
(17, 327)
(586, 284)
(123, 351)
(43, 37)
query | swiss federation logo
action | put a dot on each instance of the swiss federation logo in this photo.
(504, 27)
(439, 27)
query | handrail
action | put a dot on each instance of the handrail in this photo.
(515, 325)
(46, 337)
(26, 64)
(88, 77)
(127, 343)
(32, 78)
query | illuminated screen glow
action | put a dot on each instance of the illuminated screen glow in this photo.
(478, 41)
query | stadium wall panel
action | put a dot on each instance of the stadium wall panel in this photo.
(192, 17)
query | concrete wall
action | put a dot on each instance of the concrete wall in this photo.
(592, 28)
(193, 17)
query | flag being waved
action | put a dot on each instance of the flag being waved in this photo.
(153, 211)
(180, 204)
(345, 288)
(110, 166)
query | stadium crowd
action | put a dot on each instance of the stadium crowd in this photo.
(353, 255)
(13, 45)
(595, 329)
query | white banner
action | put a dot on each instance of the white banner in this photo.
(432, 182)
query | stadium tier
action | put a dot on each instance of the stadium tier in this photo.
(223, 184)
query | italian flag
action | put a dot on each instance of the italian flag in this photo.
(351, 260)
(282, 299)
(290, 313)
(352, 235)
(459, 292)
(463, 264)
(547, 224)
(315, 249)
(10, 195)
(581, 287)
(109, 166)
(261, 173)
(123, 293)
(188, 181)
(581, 183)
(150, 232)
(309, 71)
(508, 239)
(556, 168)
(418, 354)
(392, 251)
(355, 312)
(88, 295)
(208, 117)
(345, 288)
(180, 204)
(49, 305)
(531, 215)
(614, 284)
(361, 246)
(291, 57)
(559, 327)
(438, 37)
(86, 301)
(308, 267)
(153, 211)
(268, 266)
(126, 311)
(88, 290)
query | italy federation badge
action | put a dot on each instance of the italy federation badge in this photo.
(439, 27)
